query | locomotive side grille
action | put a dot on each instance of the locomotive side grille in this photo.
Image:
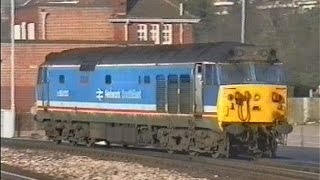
(185, 94)
(173, 101)
(161, 93)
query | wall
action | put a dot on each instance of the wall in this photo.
(304, 114)
(303, 110)
(77, 23)
(304, 136)
(27, 58)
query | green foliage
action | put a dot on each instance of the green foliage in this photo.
(295, 35)
(204, 10)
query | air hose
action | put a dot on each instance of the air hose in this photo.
(240, 102)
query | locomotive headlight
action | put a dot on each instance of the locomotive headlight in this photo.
(230, 97)
(256, 97)
(281, 107)
(276, 97)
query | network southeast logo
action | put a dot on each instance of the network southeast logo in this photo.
(118, 94)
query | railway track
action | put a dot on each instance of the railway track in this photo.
(195, 166)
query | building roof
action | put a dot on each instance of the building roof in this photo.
(156, 9)
(18, 3)
(69, 3)
(187, 53)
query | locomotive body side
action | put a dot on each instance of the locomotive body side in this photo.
(221, 108)
(125, 104)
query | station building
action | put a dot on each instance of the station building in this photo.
(45, 26)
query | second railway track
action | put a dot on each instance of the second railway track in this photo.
(195, 166)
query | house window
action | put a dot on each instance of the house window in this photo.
(142, 32)
(61, 79)
(154, 33)
(108, 79)
(24, 30)
(167, 34)
(31, 31)
(17, 32)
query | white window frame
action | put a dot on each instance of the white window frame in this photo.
(142, 32)
(31, 31)
(155, 33)
(23, 30)
(166, 34)
(17, 31)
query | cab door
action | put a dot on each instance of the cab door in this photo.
(198, 83)
(43, 87)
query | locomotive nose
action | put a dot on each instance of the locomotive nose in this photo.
(252, 104)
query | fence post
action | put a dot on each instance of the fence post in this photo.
(305, 109)
(301, 136)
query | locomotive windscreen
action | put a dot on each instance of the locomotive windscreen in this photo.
(249, 73)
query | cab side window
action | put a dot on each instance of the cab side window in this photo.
(61, 79)
(107, 79)
(210, 75)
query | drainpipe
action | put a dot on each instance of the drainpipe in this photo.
(44, 20)
(181, 25)
(126, 30)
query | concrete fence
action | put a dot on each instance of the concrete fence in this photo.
(304, 114)
(7, 123)
(303, 110)
(304, 136)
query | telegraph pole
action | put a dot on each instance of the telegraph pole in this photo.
(12, 62)
(243, 20)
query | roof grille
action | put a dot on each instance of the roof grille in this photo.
(88, 66)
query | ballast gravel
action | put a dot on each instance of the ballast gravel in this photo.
(67, 166)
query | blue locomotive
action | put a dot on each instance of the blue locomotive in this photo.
(217, 98)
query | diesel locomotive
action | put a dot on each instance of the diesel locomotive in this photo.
(219, 99)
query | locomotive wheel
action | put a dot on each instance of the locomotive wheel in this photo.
(216, 155)
(223, 148)
(73, 142)
(193, 153)
(274, 147)
(257, 155)
(90, 142)
(57, 136)
(56, 141)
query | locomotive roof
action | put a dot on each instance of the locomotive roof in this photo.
(187, 53)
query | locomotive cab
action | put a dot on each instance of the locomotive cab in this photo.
(252, 101)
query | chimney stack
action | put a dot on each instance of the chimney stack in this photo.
(181, 9)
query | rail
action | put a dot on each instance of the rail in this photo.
(197, 165)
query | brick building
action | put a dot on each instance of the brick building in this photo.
(44, 26)
(160, 21)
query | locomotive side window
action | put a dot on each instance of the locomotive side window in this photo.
(146, 79)
(108, 79)
(61, 79)
(199, 69)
